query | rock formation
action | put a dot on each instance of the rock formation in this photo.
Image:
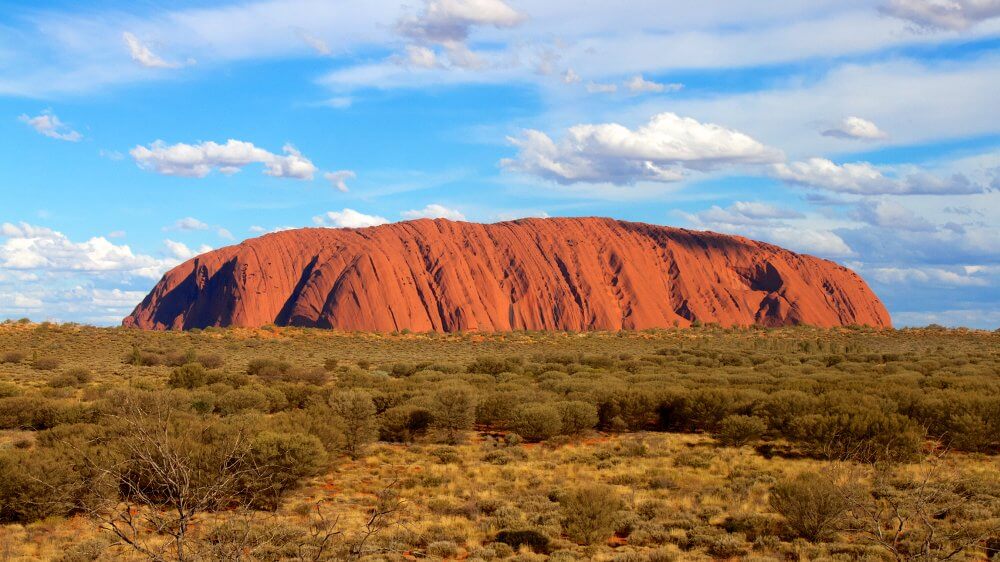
(534, 274)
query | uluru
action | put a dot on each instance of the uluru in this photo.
(531, 274)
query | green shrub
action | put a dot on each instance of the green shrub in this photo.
(203, 401)
(728, 546)
(178, 358)
(41, 483)
(267, 368)
(812, 505)
(633, 408)
(280, 462)
(37, 413)
(142, 358)
(89, 550)
(242, 399)
(13, 357)
(454, 411)
(738, 430)
(210, 360)
(705, 408)
(577, 417)
(859, 435)
(443, 549)
(403, 424)
(534, 540)
(317, 420)
(589, 512)
(71, 378)
(357, 414)
(189, 376)
(81, 374)
(494, 409)
(752, 525)
(694, 458)
(403, 369)
(495, 365)
(972, 431)
(45, 363)
(536, 422)
(781, 407)
(8, 389)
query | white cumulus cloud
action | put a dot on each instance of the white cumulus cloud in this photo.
(661, 150)
(198, 160)
(434, 211)
(348, 218)
(32, 248)
(811, 241)
(443, 21)
(49, 125)
(856, 128)
(181, 251)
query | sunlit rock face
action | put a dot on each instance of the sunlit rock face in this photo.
(531, 274)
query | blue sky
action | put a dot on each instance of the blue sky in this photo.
(134, 135)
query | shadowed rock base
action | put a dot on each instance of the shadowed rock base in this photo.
(534, 274)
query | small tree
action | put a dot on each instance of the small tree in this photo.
(928, 512)
(357, 412)
(811, 503)
(589, 512)
(577, 417)
(163, 472)
(454, 411)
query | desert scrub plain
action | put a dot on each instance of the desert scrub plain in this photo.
(698, 444)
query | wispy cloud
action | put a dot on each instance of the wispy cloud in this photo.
(314, 42)
(944, 14)
(339, 179)
(142, 54)
(863, 178)
(49, 125)
(446, 24)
